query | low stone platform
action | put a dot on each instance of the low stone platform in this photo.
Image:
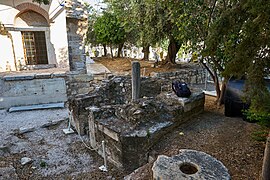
(188, 165)
(130, 128)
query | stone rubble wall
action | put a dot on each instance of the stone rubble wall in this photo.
(190, 76)
(129, 128)
(78, 84)
(76, 19)
(108, 92)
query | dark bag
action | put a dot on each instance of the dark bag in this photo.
(181, 89)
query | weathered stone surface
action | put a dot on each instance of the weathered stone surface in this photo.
(29, 92)
(188, 165)
(76, 29)
(58, 74)
(18, 77)
(37, 107)
(43, 75)
(25, 160)
(76, 9)
(23, 130)
(189, 76)
(131, 128)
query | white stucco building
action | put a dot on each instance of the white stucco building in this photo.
(38, 32)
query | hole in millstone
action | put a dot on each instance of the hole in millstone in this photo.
(188, 168)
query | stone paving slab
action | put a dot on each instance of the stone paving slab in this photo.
(37, 107)
(97, 68)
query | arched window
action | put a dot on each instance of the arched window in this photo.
(34, 42)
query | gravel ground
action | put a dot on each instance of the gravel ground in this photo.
(10, 122)
(54, 155)
(58, 156)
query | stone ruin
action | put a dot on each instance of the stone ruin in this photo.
(130, 128)
(188, 165)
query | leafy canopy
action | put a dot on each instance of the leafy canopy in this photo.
(108, 30)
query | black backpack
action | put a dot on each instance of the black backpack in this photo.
(181, 89)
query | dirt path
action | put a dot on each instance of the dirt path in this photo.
(227, 139)
(122, 66)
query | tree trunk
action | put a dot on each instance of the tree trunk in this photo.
(146, 52)
(105, 50)
(120, 46)
(214, 76)
(216, 82)
(111, 51)
(173, 48)
(222, 92)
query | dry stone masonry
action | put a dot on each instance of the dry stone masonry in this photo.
(76, 17)
(130, 128)
(190, 76)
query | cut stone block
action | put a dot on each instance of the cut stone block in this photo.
(37, 107)
(19, 77)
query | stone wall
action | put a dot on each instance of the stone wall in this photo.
(116, 90)
(76, 29)
(78, 84)
(29, 89)
(128, 128)
(190, 76)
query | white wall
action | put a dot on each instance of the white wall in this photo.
(56, 35)
(5, 53)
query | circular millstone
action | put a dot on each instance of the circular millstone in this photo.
(189, 164)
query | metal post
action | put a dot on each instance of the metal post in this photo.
(92, 135)
(136, 80)
(104, 154)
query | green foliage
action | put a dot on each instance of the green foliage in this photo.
(260, 135)
(231, 36)
(90, 35)
(241, 34)
(43, 164)
(106, 29)
(146, 22)
(263, 118)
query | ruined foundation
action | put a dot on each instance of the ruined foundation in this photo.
(131, 128)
